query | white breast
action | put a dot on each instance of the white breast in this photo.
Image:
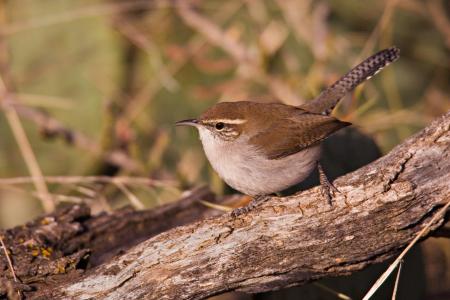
(242, 167)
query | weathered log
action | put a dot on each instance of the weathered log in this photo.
(55, 247)
(97, 238)
(290, 240)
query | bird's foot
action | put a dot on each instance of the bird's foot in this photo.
(328, 189)
(257, 200)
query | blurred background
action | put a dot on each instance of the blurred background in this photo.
(93, 88)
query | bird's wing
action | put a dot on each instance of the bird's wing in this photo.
(302, 130)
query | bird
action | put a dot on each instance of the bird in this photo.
(261, 149)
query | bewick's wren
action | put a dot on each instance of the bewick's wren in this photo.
(263, 148)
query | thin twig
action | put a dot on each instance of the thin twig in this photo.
(44, 101)
(397, 261)
(438, 17)
(91, 179)
(144, 96)
(84, 12)
(237, 51)
(145, 43)
(386, 16)
(212, 32)
(298, 15)
(54, 128)
(72, 15)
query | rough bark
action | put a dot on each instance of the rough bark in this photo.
(291, 240)
(54, 248)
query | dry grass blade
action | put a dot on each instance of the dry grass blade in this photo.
(397, 280)
(30, 159)
(133, 199)
(68, 199)
(8, 259)
(331, 291)
(215, 206)
(10, 265)
(26, 150)
(399, 259)
(86, 191)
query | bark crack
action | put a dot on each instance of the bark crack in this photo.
(396, 171)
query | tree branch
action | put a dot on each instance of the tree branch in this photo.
(287, 241)
(52, 128)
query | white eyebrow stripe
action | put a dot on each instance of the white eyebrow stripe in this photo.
(226, 121)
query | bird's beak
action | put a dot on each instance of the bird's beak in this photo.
(189, 122)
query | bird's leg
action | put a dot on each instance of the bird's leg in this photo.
(328, 189)
(257, 200)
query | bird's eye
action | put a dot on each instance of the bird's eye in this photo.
(219, 126)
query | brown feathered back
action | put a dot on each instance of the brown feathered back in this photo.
(281, 130)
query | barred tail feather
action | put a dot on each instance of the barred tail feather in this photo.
(328, 99)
